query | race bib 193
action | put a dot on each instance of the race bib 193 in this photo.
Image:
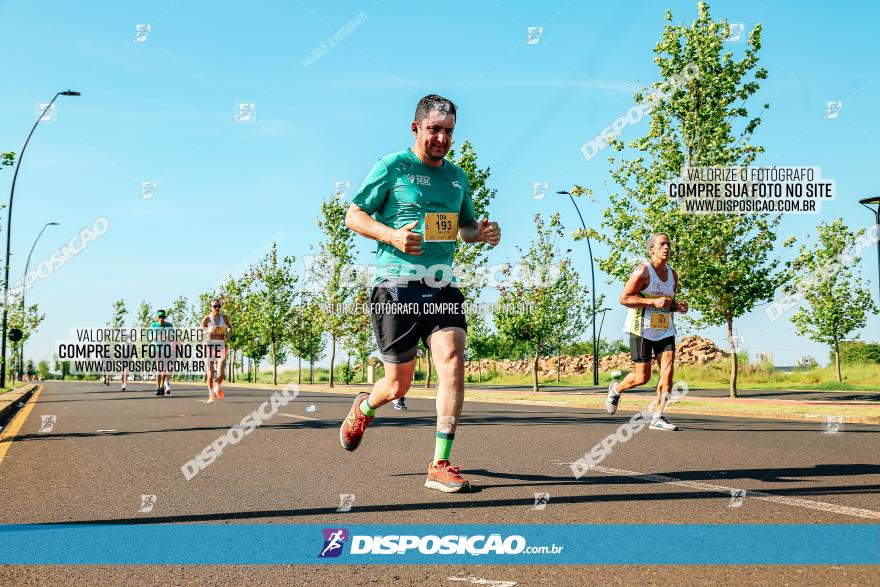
(441, 227)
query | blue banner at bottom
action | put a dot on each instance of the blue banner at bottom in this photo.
(186, 544)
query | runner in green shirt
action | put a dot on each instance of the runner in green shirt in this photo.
(417, 205)
(163, 379)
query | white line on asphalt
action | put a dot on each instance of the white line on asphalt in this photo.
(106, 430)
(791, 501)
(478, 581)
(300, 417)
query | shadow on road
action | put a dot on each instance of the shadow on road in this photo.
(457, 501)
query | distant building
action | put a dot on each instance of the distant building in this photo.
(806, 362)
(764, 358)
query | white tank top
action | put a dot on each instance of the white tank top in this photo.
(216, 328)
(651, 323)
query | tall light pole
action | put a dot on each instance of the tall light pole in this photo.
(24, 289)
(592, 291)
(864, 202)
(9, 232)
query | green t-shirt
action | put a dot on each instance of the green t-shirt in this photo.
(401, 189)
(158, 324)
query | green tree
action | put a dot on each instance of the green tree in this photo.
(119, 314)
(336, 265)
(144, 315)
(43, 370)
(472, 255)
(177, 312)
(360, 341)
(479, 343)
(232, 295)
(248, 328)
(27, 320)
(548, 288)
(274, 294)
(837, 300)
(307, 336)
(723, 261)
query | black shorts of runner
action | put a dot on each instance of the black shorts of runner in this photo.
(399, 327)
(641, 349)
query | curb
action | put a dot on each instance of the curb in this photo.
(9, 401)
(740, 412)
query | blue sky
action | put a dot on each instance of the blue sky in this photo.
(164, 110)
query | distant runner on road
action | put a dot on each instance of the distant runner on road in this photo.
(650, 296)
(417, 205)
(218, 327)
(163, 378)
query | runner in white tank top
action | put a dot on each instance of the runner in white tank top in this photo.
(217, 326)
(650, 296)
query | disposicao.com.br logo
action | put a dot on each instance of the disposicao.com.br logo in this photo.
(452, 544)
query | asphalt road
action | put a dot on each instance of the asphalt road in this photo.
(107, 448)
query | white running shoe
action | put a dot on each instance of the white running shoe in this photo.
(661, 423)
(123, 387)
(167, 387)
(400, 404)
(613, 398)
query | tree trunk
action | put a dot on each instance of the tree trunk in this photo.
(558, 362)
(535, 370)
(837, 359)
(479, 371)
(299, 369)
(274, 362)
(311, 370)
(332, 357)
(734, 363)
(428, 376)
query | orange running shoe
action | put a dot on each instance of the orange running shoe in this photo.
(446, 478)
(352, 429)
(219, 393)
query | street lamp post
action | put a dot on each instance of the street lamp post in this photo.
(24, 289)
(592, 291)
(9, 233)
(864, 202)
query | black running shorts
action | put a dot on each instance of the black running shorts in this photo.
(641, 349)
(404, 315)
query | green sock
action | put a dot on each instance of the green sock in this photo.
(442, 446)
(366, 410)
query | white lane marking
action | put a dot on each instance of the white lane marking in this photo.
(300, 417)
(106, 430)
(791, 501)
(478, 581)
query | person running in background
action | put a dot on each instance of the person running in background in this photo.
(218, 327)
(127, 346)
(163, 378)
(650, 296)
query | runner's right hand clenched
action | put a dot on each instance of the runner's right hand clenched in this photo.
(404, 240)
(662, 303)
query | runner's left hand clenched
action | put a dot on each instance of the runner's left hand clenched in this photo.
(490, 232)
(682, 307)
